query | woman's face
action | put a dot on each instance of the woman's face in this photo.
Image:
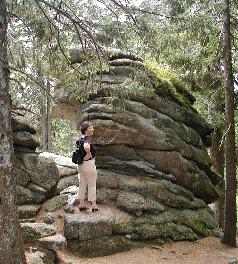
(89, 131)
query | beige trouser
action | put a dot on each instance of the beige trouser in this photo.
(88, 178)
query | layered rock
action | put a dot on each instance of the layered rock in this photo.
(44, 242)
(37, 176)
(24, 135)
(37, 256)
(154, 173)
(152, 159)
(40, 177)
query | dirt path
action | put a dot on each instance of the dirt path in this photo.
(205, 251)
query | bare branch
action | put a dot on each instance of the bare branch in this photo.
(14, 107)
(58, 39)
(127, 11)
(144, 11)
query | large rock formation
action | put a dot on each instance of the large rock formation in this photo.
(39, 176)
(152, 160)
(154, 174)
(36, 176)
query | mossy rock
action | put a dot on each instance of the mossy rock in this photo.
(101, 246)
(166, 231)
(28, 211)
(201, 221)
(35, 231)
(26, 196)
(167, 83)
(123, 228)
(134, 202)
(55, 203)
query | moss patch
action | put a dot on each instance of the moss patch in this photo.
(202, 221)
(166, 83)
(166, 231)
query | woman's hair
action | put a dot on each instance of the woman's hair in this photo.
(84, 126)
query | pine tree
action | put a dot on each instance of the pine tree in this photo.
(230, 153)
(11, 246)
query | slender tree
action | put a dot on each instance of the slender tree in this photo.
(46, 119)
(217, 157)
(216, 117)
(230, 153)
(11, 246)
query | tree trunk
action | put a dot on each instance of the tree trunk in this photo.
(230, 153)
(48, 119)
(217, 149)
(217, 157)
(11, 246)
(45, 110)
(45, 119)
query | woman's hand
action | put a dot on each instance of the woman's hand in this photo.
(88, 152)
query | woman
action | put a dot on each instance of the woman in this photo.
(87, 170)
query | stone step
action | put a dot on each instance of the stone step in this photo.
(28, 211)
(92, 234)
(103, 246)
(55, 203)
(86, 226)
(55, 242)
(40, 256)
(34, 231)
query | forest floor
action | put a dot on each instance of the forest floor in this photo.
(209, 250)
(205, 251)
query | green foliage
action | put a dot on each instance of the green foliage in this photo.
(62, 137)
(184, 36)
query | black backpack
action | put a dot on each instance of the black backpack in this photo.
(79, 153)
